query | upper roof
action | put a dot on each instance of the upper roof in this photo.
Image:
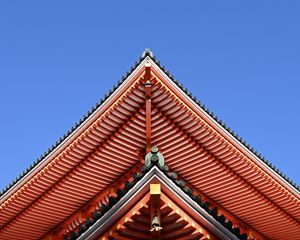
(110, 141)
(148, 53)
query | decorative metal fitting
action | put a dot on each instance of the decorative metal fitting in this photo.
(154, 157)
(148, 83)
(155, 224)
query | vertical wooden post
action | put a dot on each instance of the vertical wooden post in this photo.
(155, 210)
(148, 106)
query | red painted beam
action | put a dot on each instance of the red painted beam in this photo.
(148, 106)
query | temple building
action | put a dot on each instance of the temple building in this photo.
(149, 161)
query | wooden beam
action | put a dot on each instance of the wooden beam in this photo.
(128, 218)
(148, 106)
(179, 215)
(155, 211)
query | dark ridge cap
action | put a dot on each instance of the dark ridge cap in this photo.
(205, 205)
(225, 126)
(75, 233)
(146, 53)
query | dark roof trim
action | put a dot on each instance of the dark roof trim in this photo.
(101, 220)
(146, 53)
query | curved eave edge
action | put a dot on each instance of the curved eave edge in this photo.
(147, 53)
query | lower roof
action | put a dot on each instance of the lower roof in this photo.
(102, 219)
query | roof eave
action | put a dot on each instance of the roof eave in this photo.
(139, 190)
(71, 134)
(217, 124)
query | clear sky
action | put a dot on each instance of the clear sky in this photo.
(58, 58)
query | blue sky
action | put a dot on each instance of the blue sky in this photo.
(58, 58)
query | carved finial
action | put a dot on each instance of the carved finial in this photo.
(147, 52)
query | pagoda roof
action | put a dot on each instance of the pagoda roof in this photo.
(68, 182)
(148, 53)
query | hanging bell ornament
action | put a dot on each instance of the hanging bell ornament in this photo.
(155, 224)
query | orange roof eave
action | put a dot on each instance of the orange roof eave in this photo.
(219, 128)
(214, 161)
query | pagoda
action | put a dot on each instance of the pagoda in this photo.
(149, 161)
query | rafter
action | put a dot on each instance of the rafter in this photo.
(201, 149)
(59, 231)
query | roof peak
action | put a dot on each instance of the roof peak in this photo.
(147, 52)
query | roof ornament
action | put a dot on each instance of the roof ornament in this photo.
(155, 224)
(154, 157)
(147, 64)
(147, 52)
(148, 83)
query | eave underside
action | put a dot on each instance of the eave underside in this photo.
(178, 212)
(175, 223)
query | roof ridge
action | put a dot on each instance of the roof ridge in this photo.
(147, 52)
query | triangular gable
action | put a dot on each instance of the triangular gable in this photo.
(174, 223)
(112, 139)
(178, 205)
